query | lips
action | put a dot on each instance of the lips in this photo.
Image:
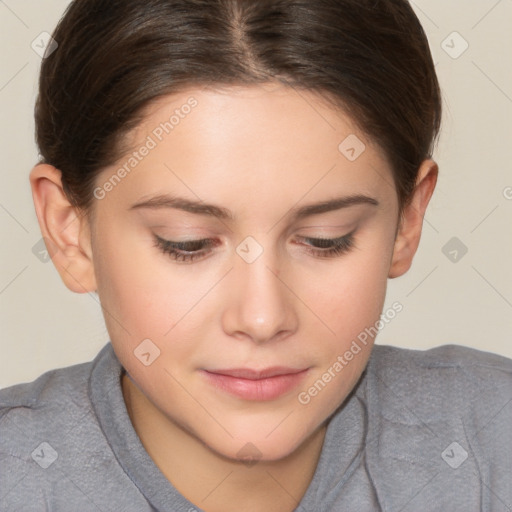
(252, 384)
(247, 373)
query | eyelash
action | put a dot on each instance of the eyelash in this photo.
(180, 251)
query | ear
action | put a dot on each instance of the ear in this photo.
(409, 230)
(65, 230)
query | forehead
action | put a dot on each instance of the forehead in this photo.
(245, 115)
(254, 139)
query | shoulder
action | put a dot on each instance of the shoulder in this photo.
(440, 367)
(62, 390)
(440, 420)
(444, 357)
(450, 354)
(54, 452)
(41, 422)
(442, 381)
(35, 414)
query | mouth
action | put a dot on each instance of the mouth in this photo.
(258, 385)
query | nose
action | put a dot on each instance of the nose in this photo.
(260, 306)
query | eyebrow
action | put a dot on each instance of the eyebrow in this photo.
(201, 208)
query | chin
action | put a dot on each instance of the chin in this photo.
(258, 451)
(253, 445)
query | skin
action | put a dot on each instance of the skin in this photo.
(260, 152)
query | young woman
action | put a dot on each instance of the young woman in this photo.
(237, 180)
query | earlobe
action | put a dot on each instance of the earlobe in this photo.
(64, 228)
(409, 232)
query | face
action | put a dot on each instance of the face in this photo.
(239, 256)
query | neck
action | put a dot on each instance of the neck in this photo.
(213, 482)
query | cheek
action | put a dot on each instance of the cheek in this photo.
(349, 296)
(138, 297)
(144, 297)
(136, 280)
(351, 303)
(143, 301)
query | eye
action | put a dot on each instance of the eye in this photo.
(184, 251)
(190, 250)
(330, 247)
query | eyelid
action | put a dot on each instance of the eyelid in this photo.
(208, 242)
(179, 252)
(326, 239)
(182, 244)
(334, 247)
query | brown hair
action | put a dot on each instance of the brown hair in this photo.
(369, 57)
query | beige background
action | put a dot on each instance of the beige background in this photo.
(466, 302)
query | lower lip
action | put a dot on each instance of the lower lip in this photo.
(260, 389)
